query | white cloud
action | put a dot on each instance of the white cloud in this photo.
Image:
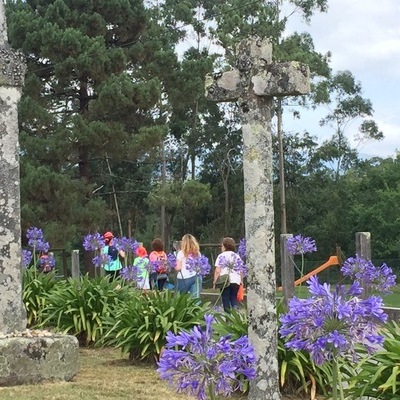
(364, 38)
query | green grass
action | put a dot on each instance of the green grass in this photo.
(393, 299)
(104, 375)
(389, 300)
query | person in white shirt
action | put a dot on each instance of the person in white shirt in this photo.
(224, 265)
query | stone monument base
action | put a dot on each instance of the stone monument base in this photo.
(32, 357)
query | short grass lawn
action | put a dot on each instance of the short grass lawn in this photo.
(104, 374)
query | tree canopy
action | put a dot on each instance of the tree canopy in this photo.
(113, 120)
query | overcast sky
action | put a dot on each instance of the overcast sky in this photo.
(364, 38)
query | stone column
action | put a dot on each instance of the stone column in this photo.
(12, 72)
(253, 84)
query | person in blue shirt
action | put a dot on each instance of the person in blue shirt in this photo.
(113, 268)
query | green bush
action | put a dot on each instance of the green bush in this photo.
(233, 323)
(78, 305)
(297, 372)
(378, 374)
(35, 285)
(139, 325)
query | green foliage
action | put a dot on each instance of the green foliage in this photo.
(233, 323)
(297, 372)
(35, 285)
(78, 305)
(378, 374)
(138, 326)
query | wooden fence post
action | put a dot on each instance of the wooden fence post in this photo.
(75, 270)
(363, 245)
(287, 269)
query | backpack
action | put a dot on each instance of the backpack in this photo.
(161, 265)
(113, 252)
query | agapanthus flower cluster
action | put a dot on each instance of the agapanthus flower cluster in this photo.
(234, 263)
(371, 278)
(93, 242)
(128, 245)
(48, 261)
(166, 266)
(330, 323)
(101, 259)
(171, 260)
(203, 366)
(130, 273)
(199, 264)
(300, 245)
(39, 247)
(36, 240)
(26, 258)
(134, 272)
(242, 248)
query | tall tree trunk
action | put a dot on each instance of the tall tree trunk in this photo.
(84, 169)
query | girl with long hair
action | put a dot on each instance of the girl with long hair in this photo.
(188, 281)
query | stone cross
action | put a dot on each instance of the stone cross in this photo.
(253, 84)
(12, 73)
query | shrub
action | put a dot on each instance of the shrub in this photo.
(78, 305)
(139, 325)
(297, 372)
(35, 285)
(378, 374)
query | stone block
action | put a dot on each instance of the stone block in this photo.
(29, 360)
(282, 79)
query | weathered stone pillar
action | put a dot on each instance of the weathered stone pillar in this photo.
(26, 356)
(12, 71)
(253, 84)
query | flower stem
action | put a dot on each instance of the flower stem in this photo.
(211, 391)
(334, 380)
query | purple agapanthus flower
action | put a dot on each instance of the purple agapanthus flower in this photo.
(49, 261)
(380, 279)
(130, 273)
(93, 242)
(201, 364)
(234, 263)
(128, 245)
(36, 240)
(301, 245)
(171, 260)
(26, 258)
(101, 260)
(331, 322)
(199, 264)
(242, 248)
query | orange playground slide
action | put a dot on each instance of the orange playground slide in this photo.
(333, 260)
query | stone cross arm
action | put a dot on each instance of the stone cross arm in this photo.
(257, 74)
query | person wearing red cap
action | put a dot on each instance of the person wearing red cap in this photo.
(141, 263)
(113, 268)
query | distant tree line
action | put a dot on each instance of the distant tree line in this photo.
(116, 134)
